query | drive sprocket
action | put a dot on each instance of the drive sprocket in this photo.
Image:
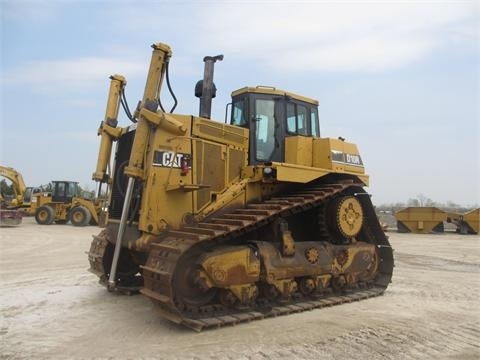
(348, 216)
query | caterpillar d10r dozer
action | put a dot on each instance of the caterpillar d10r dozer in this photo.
(225, 223)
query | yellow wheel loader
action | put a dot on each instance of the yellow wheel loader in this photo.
(222, 223)
(63, 204)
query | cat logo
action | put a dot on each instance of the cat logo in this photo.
(171, 159)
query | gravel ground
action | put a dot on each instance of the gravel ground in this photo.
(53, 308)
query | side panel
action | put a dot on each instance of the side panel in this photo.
(220, 152)
(337, 155)
(210, 166)
(309, 158)
(298, 150)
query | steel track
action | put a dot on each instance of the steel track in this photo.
(159, 270)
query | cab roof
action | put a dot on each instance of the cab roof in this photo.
(270, 90)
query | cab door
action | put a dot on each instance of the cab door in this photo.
(266, 130)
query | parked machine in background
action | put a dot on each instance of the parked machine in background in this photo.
(224, 223)
(9, 217)
(428, 219)
(22, 193)
(65, 203)
(12, 210)
(466, 223)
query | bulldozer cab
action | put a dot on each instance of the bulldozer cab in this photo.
(64, 191)
(271, 115)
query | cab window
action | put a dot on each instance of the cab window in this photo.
(302, 120)
(314, 122)
(264, 129)
(238, 113)
(71, 190)
(60, 190)
(297, 119)
(291, 118)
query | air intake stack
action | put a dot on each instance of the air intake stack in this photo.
(205, 89)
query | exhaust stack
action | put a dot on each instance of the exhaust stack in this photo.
(205, 89)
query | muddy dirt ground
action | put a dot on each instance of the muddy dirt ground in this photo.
(53, 308)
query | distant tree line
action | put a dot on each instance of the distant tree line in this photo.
(423, 201)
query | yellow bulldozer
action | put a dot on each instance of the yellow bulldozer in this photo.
(64, 203)
(222, 223)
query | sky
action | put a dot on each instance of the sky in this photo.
(401, 79)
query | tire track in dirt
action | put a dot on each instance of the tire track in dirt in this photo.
(399, 341)
(437, 263)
